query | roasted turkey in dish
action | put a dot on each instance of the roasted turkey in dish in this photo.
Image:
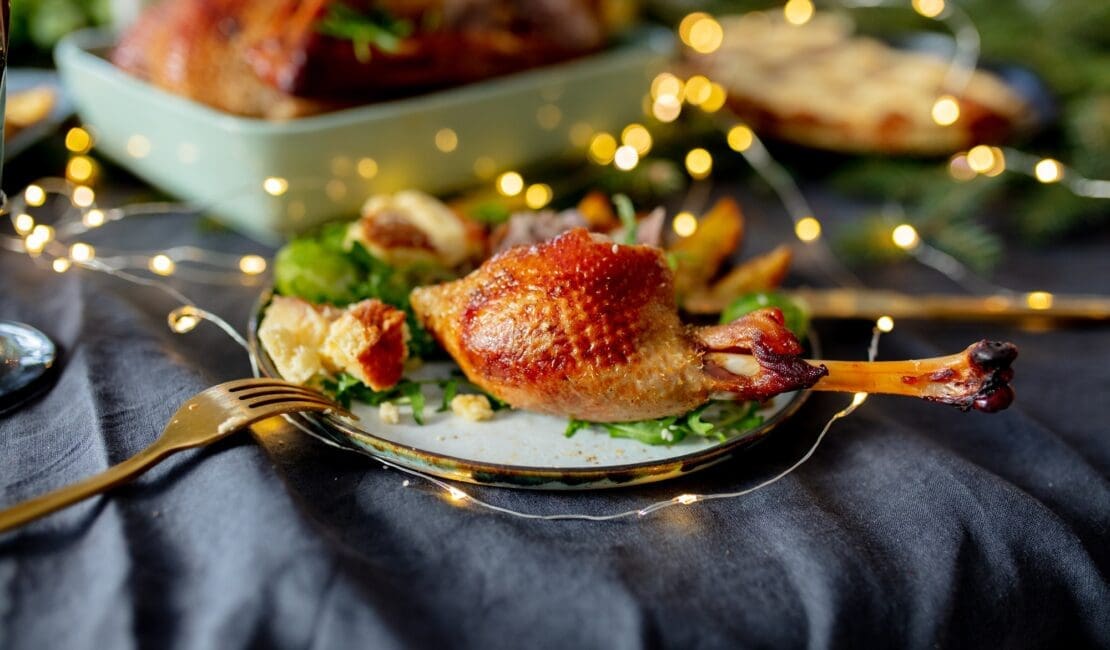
(288, 58)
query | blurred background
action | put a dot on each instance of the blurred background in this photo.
(1052, 56)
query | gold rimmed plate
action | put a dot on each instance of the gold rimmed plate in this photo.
(518, 449)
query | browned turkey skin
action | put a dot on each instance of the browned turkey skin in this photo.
(585, 328)
(277, 59)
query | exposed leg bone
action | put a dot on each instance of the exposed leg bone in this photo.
(976, 378)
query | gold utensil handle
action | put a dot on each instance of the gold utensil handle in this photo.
(867, 303)
(113, 476)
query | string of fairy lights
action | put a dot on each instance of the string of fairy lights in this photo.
(60, 246)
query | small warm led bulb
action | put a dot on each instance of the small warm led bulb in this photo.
(183, 319)
(24, 223)
(685, 224)
(946, 110)
(885, 324)
(252, 264)
(858, 398)
(687, 24)
(716, 99)
(456, 493)
(60, 265)
(1039, 300)
(447, 140)
(162, 265)
(510, 183)
(81, 252)
(83, 196)
(740, 138)
(43, 232)
(275, 186)
(698, 89)
(138, 146)
(798, 12)
(93, 218)
(1048, 171)
(537, 195)
(929, 8)
(34, 195)
(686, 499)
(666, 108)
(626, 158)
(705, 35)
(367, 168)
(905, 236)
(666, 83)
(78, 140)
(79, 169)
(34, 244)
(638, 137)
(808, 229)
(699, 163)
(981, 158)
(998, 162)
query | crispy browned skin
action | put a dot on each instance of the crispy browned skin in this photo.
(270, 58)
(582, 327)
(199, 49)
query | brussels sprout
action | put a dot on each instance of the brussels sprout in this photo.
(307, 268)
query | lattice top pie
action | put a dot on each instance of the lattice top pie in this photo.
(821, 86)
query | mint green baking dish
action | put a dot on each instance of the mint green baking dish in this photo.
(327, 165)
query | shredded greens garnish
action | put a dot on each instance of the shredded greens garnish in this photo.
(450, 389)
(321, 269)
(627, 214)
(794, 314)
(347, 388)
(729, 419)
(490, 212)
(365, 29)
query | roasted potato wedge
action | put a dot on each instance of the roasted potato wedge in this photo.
(597, 208)
(699, 256)
(762, 273)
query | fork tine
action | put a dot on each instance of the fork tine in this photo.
(278, 407)
(262, 391)
(270, 398)
(239, 385)
(263, 401)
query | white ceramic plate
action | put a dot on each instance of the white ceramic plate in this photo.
(519, 448)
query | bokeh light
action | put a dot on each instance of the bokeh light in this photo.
(1048, 170)
(510, 183)
(699, 163)
(808, 229)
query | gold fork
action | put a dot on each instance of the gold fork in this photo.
(208, 416)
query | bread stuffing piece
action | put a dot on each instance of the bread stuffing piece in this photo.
(367, 340)
(293, 331)
(475, 408)
(412, 227)
(388, 413)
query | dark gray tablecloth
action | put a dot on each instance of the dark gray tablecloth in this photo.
(913, 526)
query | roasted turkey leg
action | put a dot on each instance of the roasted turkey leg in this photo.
(581, 327)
